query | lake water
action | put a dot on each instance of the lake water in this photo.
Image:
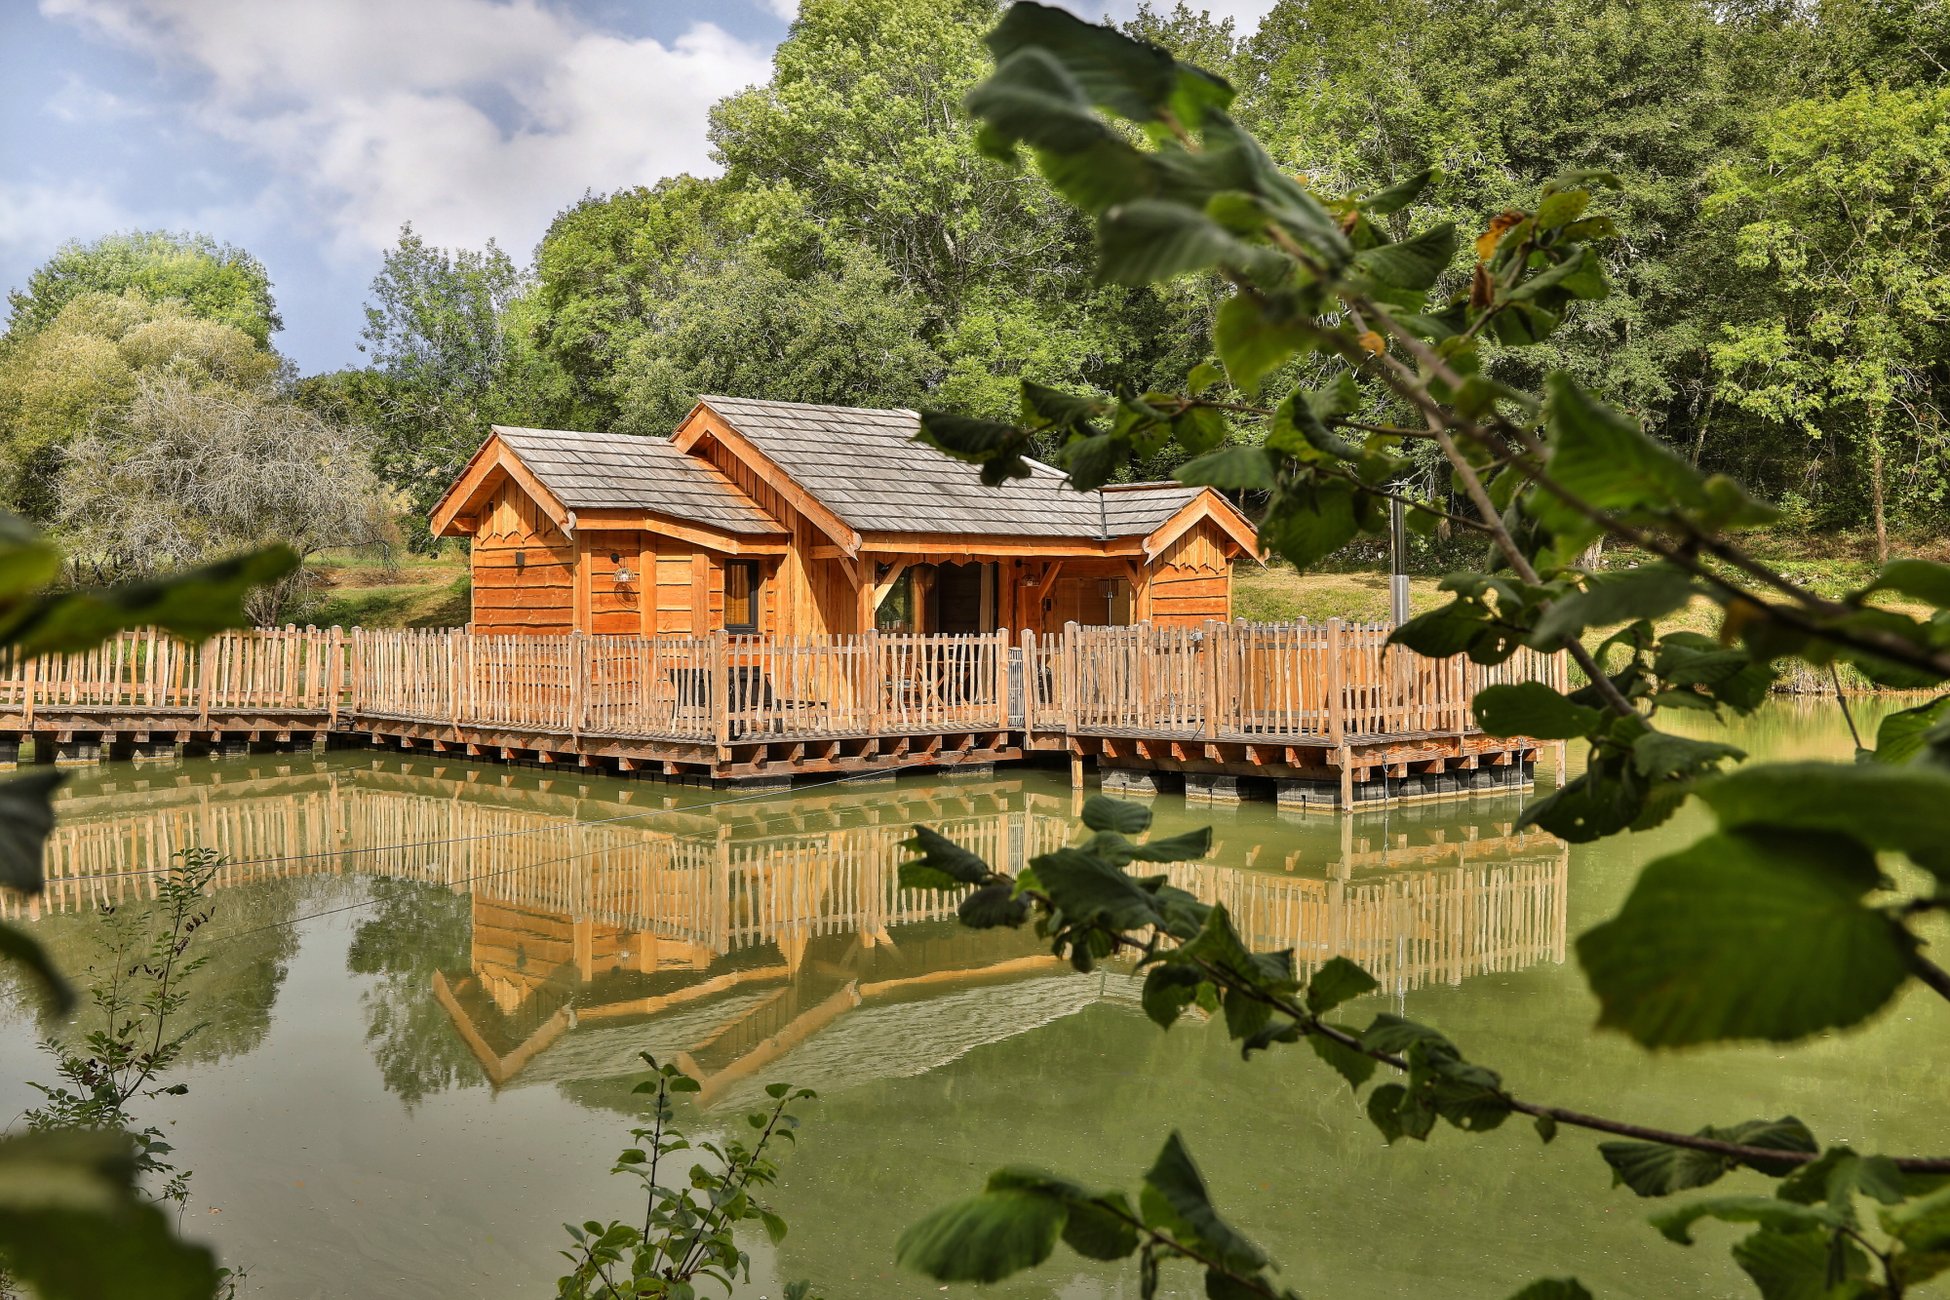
(430, 981)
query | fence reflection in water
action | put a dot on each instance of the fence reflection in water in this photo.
(738, 933)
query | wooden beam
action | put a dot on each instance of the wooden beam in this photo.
(964, 546)
(1206, 505)
(686, 531)
(885, 588)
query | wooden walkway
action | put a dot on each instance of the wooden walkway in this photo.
(1324, 715)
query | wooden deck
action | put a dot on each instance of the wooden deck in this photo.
(1321, 715)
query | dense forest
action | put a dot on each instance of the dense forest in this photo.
(1781, 271)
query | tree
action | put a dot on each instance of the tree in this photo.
(1785, 921)
(198, 473)
(79, 373)
(845, 336)
(212, 281)
(451, 353)
(851, 181)
(1499, 99)
(1839, 219)
(606, 271)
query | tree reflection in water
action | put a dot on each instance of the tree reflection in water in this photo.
(413, 930)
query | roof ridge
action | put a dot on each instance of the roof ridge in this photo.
(708, 398)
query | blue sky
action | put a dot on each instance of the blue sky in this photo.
(308, 130)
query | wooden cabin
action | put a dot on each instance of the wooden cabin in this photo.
(791, 520)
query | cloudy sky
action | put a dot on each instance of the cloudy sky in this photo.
(308, 130)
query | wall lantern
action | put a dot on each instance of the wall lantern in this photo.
(622, 575)
(521, 560)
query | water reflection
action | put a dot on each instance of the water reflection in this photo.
(524, 930)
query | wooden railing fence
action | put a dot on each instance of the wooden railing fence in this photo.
(1327, 681)
(1320, 682)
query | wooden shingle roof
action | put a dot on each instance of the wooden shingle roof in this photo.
(619, 471)
(865, 466)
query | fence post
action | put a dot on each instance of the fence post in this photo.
(30, 675)
(578, 669)
(335, 679)
(1336, 684)
(1031, 675)
(1208, 658)
(870, 681)
(1002, 679)
(1072, 676)
(720, 688)
(204, 666)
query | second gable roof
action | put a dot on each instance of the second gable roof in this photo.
(865, 466)
(617, 471)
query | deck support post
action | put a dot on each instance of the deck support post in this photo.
(1312, 796)
(9, 752)
(75, 753)
(1076, 771)
(1211, 787)
(1129, 782)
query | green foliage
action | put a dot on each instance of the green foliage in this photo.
(1781, 924)
(1748, 934)
(136, 996)
(450, 337)
(76, 1225)
(1015, 1223)
(688, 1232)
(1838, 216)
(75, 1220)
(859, 248)
(81, 372)
(212, 281)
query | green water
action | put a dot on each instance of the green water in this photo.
(418, 1059)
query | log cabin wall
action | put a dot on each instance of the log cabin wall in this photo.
(1191, 580)
(1077, 596)
(535, 593)
(803, 596)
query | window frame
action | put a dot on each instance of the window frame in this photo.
(755, 577)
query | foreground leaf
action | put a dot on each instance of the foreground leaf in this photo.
(1655, 1169)
(1747, 934)
(984, 1238)
(192, 605)
(74, 1226)
(26, 820)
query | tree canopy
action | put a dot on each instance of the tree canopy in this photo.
(213, 281)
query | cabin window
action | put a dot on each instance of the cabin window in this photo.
(741, 596)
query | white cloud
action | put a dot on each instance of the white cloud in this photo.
(79, 101)
(470, 118)
(36, 217)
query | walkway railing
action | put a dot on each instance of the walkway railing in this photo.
(1315, 682)
(1242, 681)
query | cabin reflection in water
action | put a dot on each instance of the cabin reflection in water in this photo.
(751, 940)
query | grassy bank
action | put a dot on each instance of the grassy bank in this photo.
(408, 591)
